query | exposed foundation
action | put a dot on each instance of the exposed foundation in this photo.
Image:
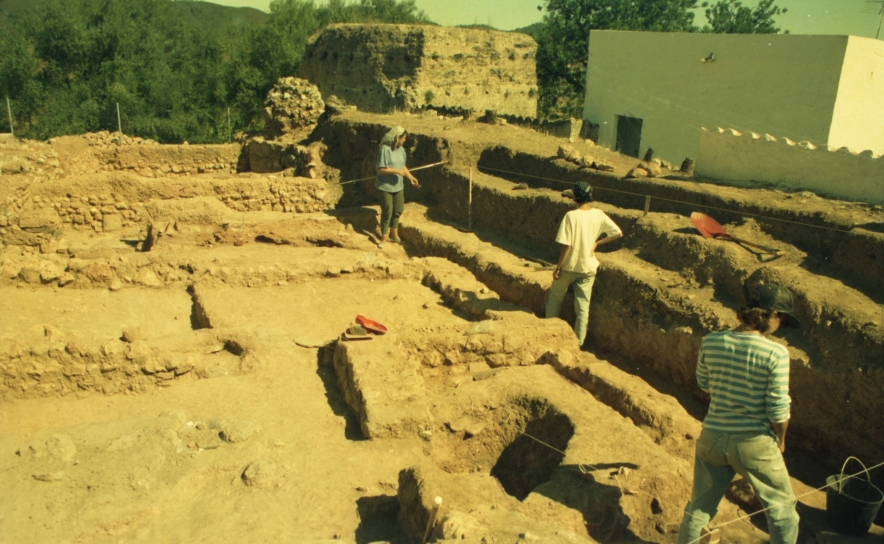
(208, 374)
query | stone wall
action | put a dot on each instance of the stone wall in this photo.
(155, 161)
(381, 68)
(62, 364)
(109, 202)
(750, 159)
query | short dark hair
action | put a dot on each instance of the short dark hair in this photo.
(582, 192)
(757, 319)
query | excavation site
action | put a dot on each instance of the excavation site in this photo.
(208, 343)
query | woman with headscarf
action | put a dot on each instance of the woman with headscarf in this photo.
(391, 170)
(580, 234)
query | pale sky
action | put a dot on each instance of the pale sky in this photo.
(803, 17)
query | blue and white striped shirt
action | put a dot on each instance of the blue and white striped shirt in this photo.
(747, 376)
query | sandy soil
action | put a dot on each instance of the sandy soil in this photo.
(199, 391)
(126, 472)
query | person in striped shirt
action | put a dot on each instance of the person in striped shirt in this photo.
(744, 432)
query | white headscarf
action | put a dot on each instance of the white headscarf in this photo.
(390, 137)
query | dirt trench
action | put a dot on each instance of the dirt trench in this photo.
(216, 355)
(663, 287)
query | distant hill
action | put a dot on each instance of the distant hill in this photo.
(478, 27)
(531, 30)
(210, 14)
(205, 13)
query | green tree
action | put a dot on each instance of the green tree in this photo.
(71, 61)
(563, 41)
(732, 17)
(278, 46)
(384, 11)
(19, 66)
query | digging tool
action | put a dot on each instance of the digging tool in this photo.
(416, 168)
(426, 166)
(710, 228)
(540, 261)
(371, 325)
(356, 332)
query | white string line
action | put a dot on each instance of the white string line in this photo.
(314, 291)
(739, 517)
(839, 481)
(669, 200)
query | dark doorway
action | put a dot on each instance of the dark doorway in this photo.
(629, 135)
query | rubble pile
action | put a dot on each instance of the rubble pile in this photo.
(291, 105)
(107, 139)
(570, 154)
(653, 168)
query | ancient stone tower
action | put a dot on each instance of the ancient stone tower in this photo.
(381, 68)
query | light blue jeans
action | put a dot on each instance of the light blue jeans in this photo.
(582, 293)
(756, 458)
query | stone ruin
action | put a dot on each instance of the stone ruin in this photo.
(292, 105)
(171, 276)
(380, 68)
(291, 110)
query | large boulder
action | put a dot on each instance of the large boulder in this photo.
(201, 210)
(39, 220)
(276, 155)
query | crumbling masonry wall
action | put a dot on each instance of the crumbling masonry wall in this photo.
(380, 68)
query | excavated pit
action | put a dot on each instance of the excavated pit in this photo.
(526, 463)
(442, 404)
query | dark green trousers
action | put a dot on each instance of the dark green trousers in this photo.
(392, 205)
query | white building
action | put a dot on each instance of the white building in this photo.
(657, 89)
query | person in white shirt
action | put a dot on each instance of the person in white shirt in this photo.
(580, 234)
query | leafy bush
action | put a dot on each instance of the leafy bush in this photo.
(563, 37)
(69, 62)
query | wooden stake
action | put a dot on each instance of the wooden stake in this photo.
(470, 203)
(647, 204)
(437, 503)
(9, 111)
(229, 129)
(119, 124)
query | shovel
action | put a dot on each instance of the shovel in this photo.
(710, 228)
(371, 325)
